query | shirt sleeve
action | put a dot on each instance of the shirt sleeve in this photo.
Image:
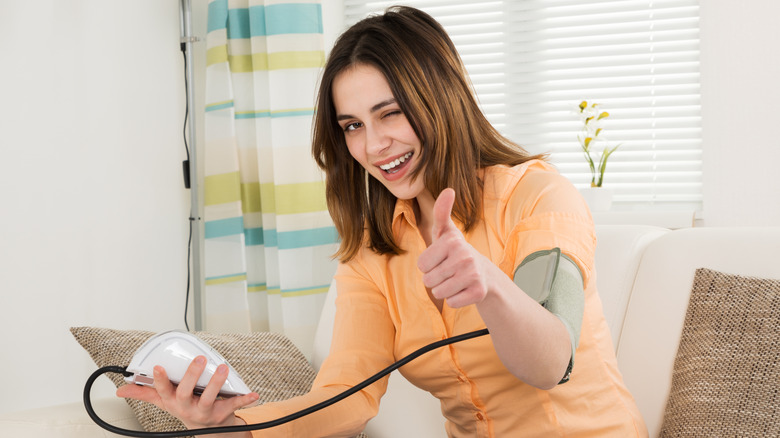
(543, 210)
(362, 345)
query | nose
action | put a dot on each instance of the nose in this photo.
(377, 139)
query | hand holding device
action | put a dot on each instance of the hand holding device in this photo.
(174, 351)
(181, 374)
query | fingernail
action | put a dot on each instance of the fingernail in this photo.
(222, 369)
(200, 360)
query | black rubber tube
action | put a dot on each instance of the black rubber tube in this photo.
(268, 424)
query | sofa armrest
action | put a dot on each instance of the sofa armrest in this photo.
(656, 311)
(618, 253)
(68, 420)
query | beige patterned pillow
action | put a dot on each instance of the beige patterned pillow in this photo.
(726, 377)
(269, 364)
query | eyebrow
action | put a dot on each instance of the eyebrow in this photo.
(374, 108)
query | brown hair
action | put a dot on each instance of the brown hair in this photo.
(430, 84)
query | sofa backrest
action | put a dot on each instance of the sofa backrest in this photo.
(658, 304)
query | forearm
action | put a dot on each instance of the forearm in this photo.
(345, 418)
(237, 421)
(532, 343)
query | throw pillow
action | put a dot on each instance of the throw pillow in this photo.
(269, 364)
(727, 368)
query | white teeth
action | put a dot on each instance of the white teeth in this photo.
(397, 161)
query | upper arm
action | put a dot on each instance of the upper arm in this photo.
(550, 246)
(545, 211)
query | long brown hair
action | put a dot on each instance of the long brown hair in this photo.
(430, 84)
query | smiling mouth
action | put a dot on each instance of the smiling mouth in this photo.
(395, 166)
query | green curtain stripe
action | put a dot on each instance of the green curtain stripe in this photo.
(298, 292)
(310, 288)
(262, 20)
(216, 55)
(251, 198)
(266, 198)
(224, 227)
(263, 61)
(300, 238)
(216, 106)
(290, 18)
(299, 198)
(217, 15)
(222, 279)
(295, 198)
(306, 238)
(221, 189)
(271, 237)
(253, 236)
(239, 24)
(260, 287)
(281, 19)
(277, 113)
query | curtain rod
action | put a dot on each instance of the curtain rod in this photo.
(185, 15)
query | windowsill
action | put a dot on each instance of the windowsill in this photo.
(671, 219)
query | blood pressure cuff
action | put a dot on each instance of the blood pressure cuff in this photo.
(555, 282)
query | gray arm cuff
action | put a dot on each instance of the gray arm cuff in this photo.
(555, 282)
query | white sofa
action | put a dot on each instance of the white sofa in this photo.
(645, 276)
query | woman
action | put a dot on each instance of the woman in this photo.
(447, 227)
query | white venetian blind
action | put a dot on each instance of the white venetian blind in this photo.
(533, 61)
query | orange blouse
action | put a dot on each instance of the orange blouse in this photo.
(384, 313)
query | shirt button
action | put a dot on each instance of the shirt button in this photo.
(480, 417)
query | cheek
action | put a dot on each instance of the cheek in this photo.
(356, 149)
(407, 132)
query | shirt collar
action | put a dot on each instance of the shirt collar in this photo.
(404, 209)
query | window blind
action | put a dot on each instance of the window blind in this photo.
(532, 62)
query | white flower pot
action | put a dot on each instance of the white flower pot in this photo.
(598, 198)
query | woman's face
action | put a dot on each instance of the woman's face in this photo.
(376, 131)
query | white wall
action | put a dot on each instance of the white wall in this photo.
(740, 73)
(93, 212)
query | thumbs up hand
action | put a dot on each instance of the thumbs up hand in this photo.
(453, 269)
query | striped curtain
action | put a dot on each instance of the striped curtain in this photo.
(268, 235)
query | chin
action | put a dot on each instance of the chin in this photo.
(405, 193)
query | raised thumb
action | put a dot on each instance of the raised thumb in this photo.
(442, 212)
